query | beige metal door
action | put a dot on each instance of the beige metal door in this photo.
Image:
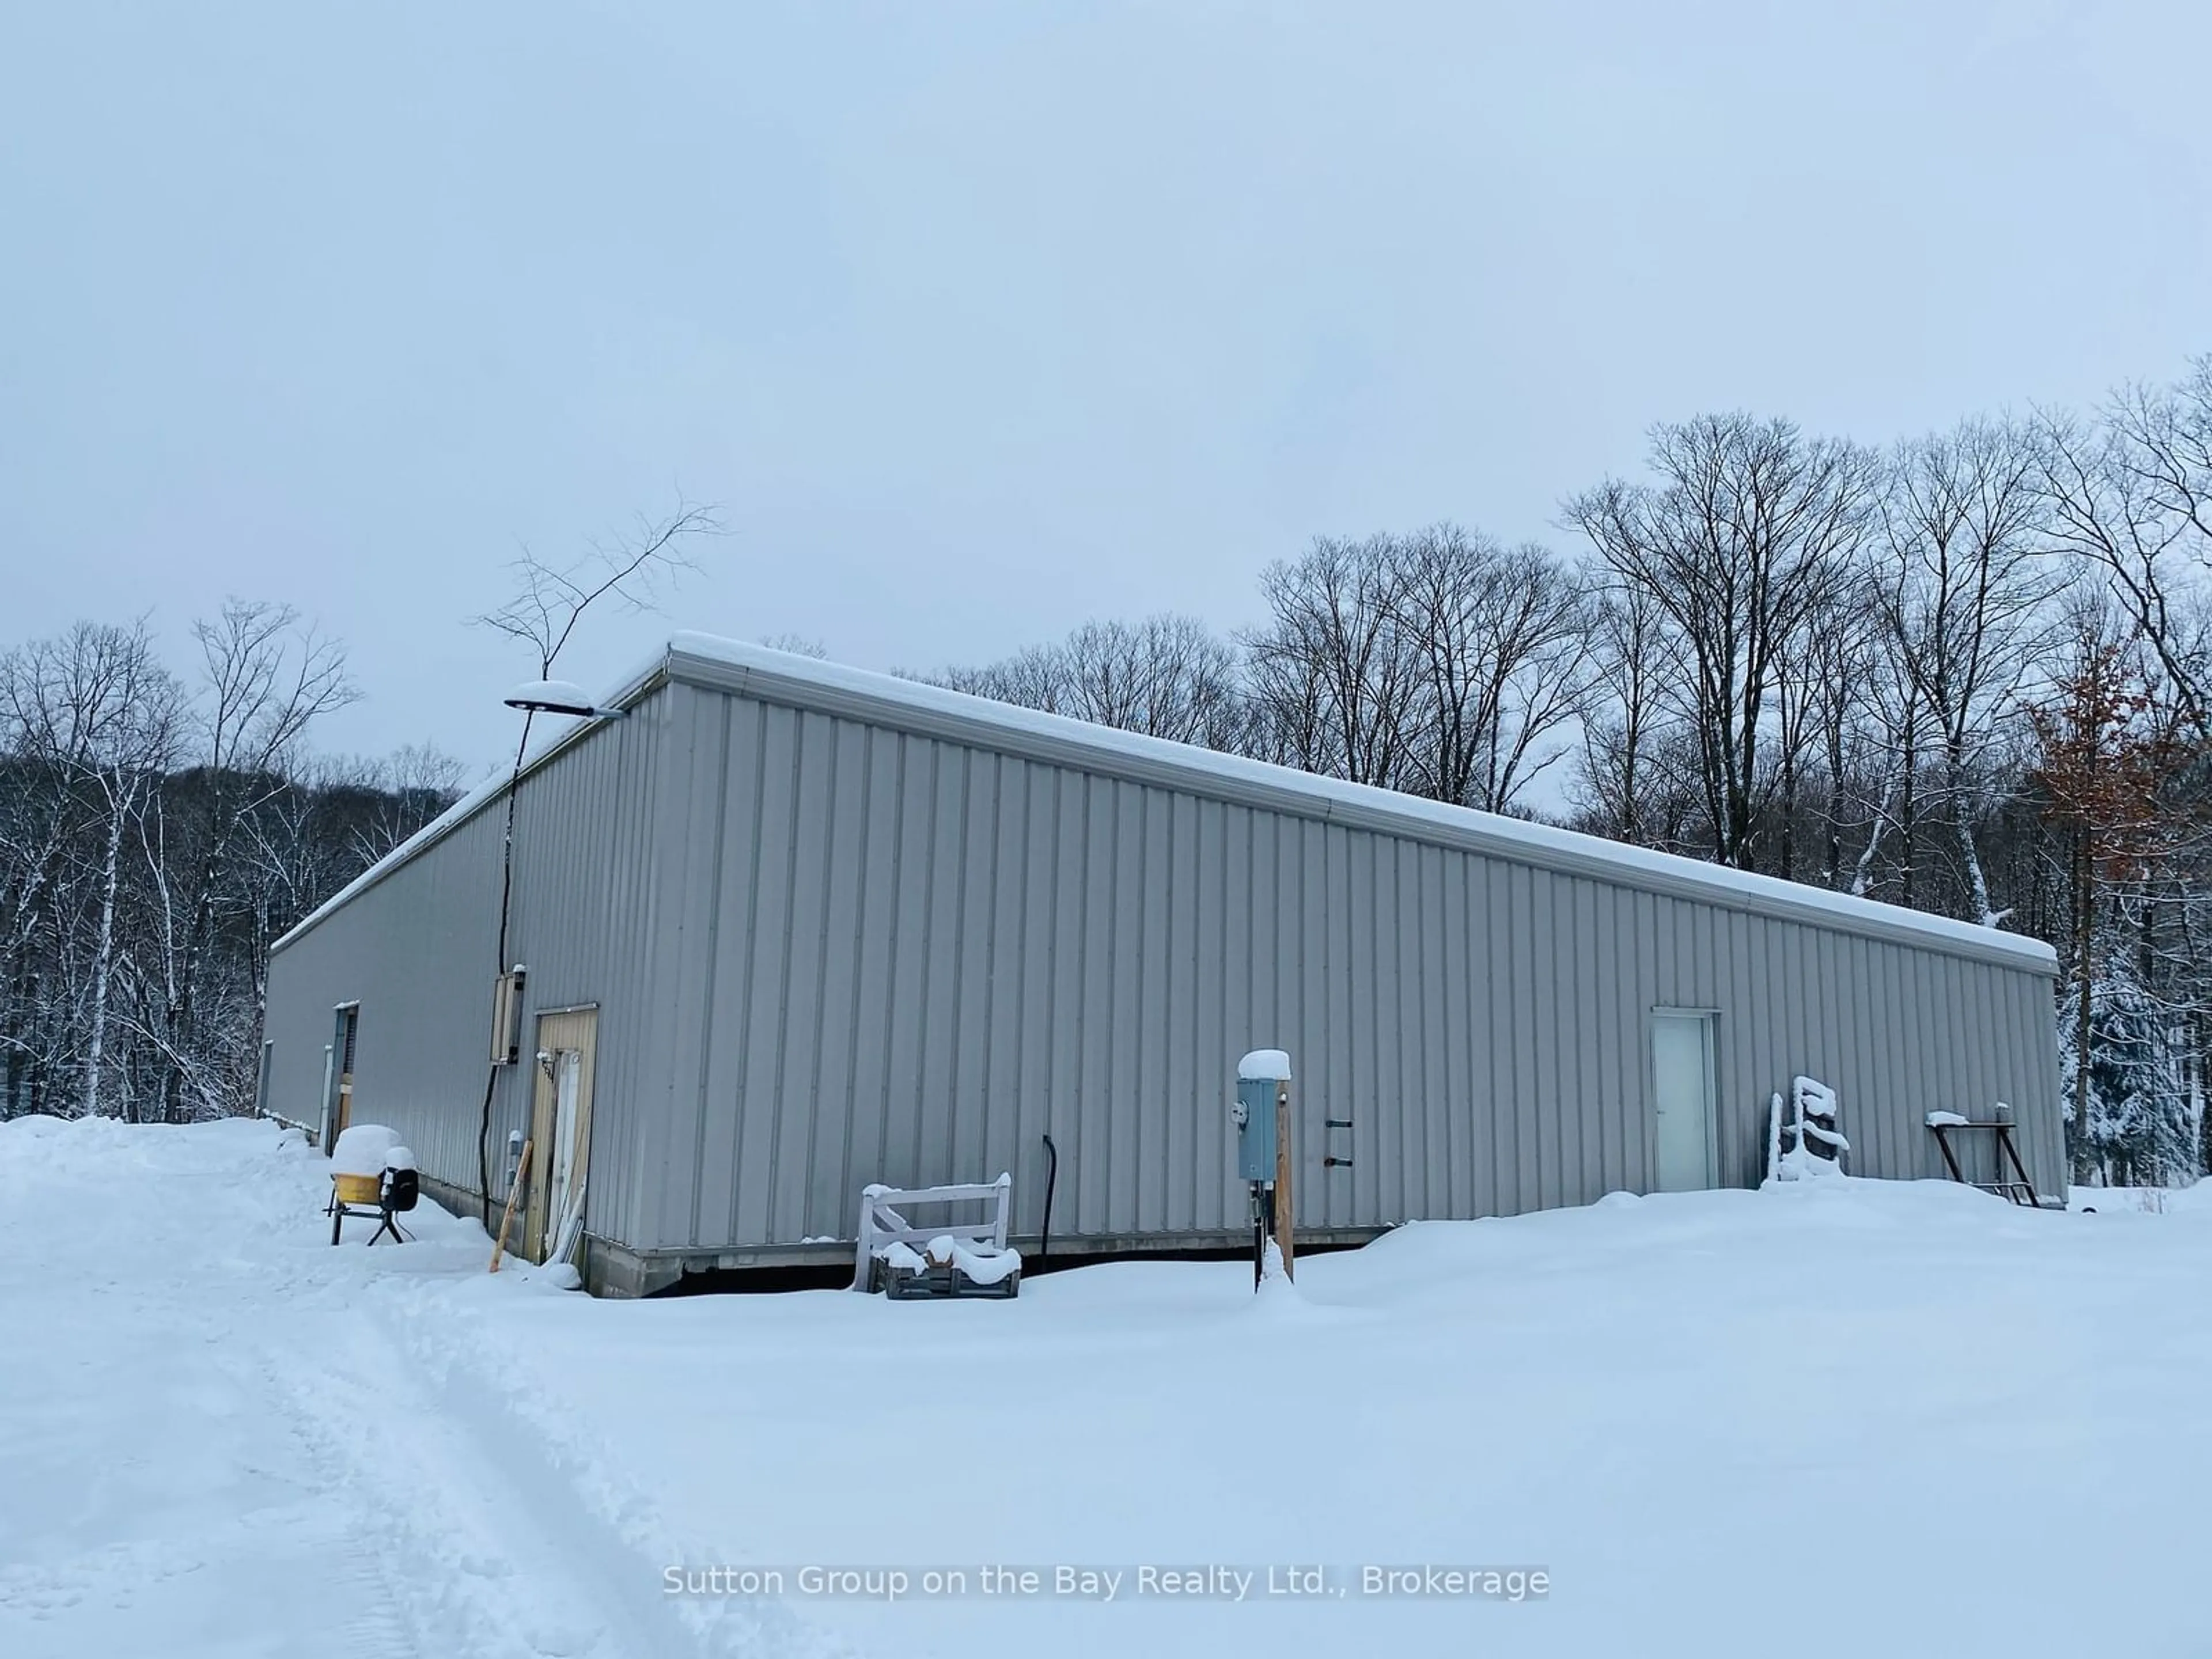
(560, 1125)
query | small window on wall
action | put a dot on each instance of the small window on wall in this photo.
(507, 1017)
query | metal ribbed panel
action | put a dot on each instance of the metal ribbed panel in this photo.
(418, 951)
(928, 954)
(828, 952)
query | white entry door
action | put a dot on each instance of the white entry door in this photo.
(1682, 1092)
(560, 1176)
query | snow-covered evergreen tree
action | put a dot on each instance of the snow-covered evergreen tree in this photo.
(2137, 1130)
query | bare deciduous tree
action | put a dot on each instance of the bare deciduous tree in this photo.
(548, 603)
(154, 836)
(1625, 727)
(799, 645)
(1166, 677)
(2132, 492)
(96, 706)
(1501, 638)
(1750, 530)
(265, 678)
(1965, 594)
(1332, 668)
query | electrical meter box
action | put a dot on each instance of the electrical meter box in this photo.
(1255, 1116)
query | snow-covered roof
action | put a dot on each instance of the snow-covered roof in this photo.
(629, 690)
(780, 675)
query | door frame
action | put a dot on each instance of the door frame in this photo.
(1709, 1021)
(345, 1034)
(539, 1225)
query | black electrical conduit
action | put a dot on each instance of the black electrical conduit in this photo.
(1051, 1175)
(506, 904)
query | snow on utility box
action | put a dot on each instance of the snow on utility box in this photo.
(1259, 1074)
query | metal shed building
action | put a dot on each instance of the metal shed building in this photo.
(790, 928)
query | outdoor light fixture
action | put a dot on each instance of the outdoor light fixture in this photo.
(560, 697)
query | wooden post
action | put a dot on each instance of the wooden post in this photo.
(506, 1216)
(1283, 1163)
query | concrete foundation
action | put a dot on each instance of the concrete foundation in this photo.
(613, 1269)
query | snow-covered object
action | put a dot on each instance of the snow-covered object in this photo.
(983, 1264)
(399, 1157)
(1264, 1064)
(363, 1150)
(883, 1221)
(1816, 1111)
(2141, 1117)
(563, 694)
(901, 1256)
(1277, 1295)
(1947, 1121)
(1802, 1141)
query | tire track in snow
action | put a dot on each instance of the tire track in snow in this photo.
(323, 1451)
(439, 1529)
(611, 1529)
(396, 1563)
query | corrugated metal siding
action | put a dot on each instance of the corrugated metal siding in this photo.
(418, 951)
(828, 952)
(905, 958)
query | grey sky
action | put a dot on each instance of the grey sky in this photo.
(981, 319)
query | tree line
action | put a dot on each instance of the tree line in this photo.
(157, 832)
(1969, 672)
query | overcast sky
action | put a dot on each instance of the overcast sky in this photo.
(978, 320)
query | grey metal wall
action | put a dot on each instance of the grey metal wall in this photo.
(418, 950)
(919, 955)
(835, 941)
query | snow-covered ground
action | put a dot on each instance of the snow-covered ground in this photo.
(1846, 1418)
